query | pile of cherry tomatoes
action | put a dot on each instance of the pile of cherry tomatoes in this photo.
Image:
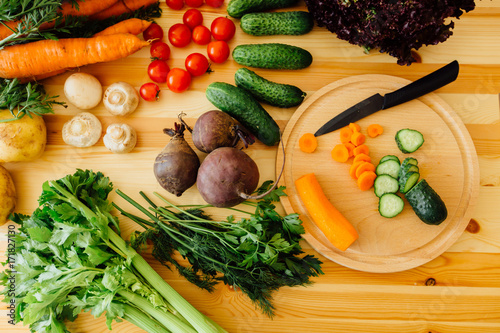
(222, 29)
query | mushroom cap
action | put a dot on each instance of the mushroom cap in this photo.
(120, 138)
(83, 130)
(83, 90)
(121, 99)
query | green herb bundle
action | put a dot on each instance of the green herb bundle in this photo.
(257, 254)
(69, 258)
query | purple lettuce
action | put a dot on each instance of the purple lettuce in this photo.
(393, 27)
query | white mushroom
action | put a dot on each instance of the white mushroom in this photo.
(120, 138)
(83, 90)
(83, 130)
(121, 99)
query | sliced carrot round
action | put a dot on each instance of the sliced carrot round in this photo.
(308, 143)
(340, 153)
(366, 180)
(350, 148)
(355, 127)
(365, 166)
(352, 169)
(358, 138)
(362, 157)
(345, 134)
(374, 130)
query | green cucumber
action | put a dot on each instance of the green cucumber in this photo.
(242, 106)
(238, 8)
(409, 160)
(426, 203)
(404, 169)
(389, 167)
(272, 56)
(389, 157)
(385, 184)
(277, 23)
(409, 140)
(407, 181)
(390, 205)
(276, 94)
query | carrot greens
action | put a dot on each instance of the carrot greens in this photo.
(70, 257)
(257, 254)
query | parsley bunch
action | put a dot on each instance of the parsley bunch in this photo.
(69, 258)
(257, 254)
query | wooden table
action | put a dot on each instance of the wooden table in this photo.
(457, 292)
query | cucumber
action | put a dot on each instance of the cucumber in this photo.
(404, 169)
(389, 167)
(426, 203)
(385, 184)
(277, 23)
(389, 157)
(390, 205)
(407, 181)
(409, 140)
(238, 8)
(409, 160)
(272, 56)
(242, 106)
(276, 94)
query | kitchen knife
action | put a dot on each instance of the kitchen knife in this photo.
(377, 102)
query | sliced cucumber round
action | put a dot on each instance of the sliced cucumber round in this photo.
(389, 157)
(390, 205)
(409, 140)
(407, 181)
(389, 167)
(385, 184)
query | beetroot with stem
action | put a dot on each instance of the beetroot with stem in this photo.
(176, 166)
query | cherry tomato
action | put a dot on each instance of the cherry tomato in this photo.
(196, 64)
(193, 3)
(159, 50)
(223, 28)
(179, 35)
(149, 91)
(158, 70)
(178, 80)
(192, 18)
(175, 4)
(154, 31)
(214, 3)
(218, 51)
(201, 35)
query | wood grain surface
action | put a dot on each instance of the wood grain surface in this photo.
(459, 291)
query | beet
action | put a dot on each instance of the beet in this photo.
(227, 176)
(176, 167)
(215, 129)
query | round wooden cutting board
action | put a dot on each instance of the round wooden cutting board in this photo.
(447, 160)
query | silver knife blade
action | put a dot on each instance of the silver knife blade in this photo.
(364, 108)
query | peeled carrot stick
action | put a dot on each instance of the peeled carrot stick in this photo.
(51, 55)
(132, 26)
(337, 229)
(122, 7)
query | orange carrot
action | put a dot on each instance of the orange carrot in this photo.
(52, 55)
(308, 143)
(350, 148)
(366, 180)
(132, 26)
(362, 157)
(340, 153)
(353, 168)
(122, 7)
(361, 149)
(365, 166)
(357, 138)
(374, 130)
(355, 127)
(337, 229)
(345, 134)
(85, 8)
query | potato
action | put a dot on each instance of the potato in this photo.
(21, 140)
(7, 194)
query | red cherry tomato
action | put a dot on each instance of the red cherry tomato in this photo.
(218, 51)
(158, 70)
(178, 80)
(175, 4)
(192, 18)
(196, 64)
(149, 91)
(214, 3)
(159, 50)
(193, 3)
(223, 28)
(201, 35)
(179, 35)
(154, 31)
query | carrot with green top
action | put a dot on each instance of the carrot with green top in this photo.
(122, 7)
(337, 229)
(52, 55)
(132, 26)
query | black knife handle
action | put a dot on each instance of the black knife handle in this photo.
(427, 84)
